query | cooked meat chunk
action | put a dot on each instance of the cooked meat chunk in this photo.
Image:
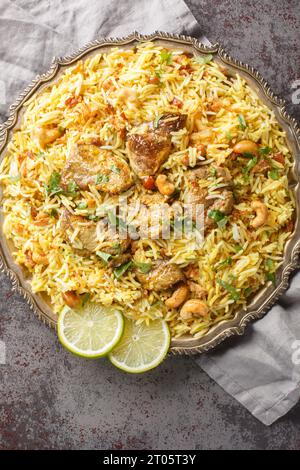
(170, 122)
(90, 165)
(163, 276)
(154, 198)
(90, 234)
(149, 150)
(196, 195)
(86, 239)
(223, 205)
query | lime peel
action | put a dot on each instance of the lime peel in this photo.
(142, 347)
(91, 331)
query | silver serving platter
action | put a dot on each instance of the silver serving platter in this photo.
(269, 294)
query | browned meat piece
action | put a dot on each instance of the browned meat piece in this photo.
(90, 165)
(163, 276)
(223, 205)
(90, 234)
(151, 199)
(196, 195)
(171, 122)
(86, 240)
(150, 149)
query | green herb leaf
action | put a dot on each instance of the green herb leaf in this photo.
(248, 155)
(118, 272)
(104, 256)
(248, 291)
(166, 57)
(156, 121)
(234, 294)
(265, 150)
(237, 248)
(72, 187)
(242, 122)
(222, 223)
(99, 179)
(158, 72)
(82, 205)
(269, 264)
(204, 59)
(213, 171)
(85, 298)
(40, 154)
(274, 174)
(216, 215)
(143, 267)
(53, 213)
(251, 164)
(93, 217)
(229, 136)
(226, 262)
(115, 169)
(271, 277)
(53, 187)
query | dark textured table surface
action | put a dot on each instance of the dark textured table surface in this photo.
(50, 399)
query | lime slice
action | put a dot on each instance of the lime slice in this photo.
(142, 347)
(90, 331)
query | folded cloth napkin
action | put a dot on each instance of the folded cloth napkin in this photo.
(261, 369)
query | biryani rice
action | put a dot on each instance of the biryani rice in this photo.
(95, 84)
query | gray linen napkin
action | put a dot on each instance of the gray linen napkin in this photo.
(261, 369)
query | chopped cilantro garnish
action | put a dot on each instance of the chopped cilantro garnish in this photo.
(156, 121)
(271, 277)
(269, 264)
(72, 187)
(218, 216)
(99, 179)
(115, 169)
(265, 150)
(248, 291)
(242, 122)
(204, 59)
(234, 294)
(143, 267)
(237, 248)
(251, 164)
(118, 272)
(274, 174)
(85, 298)
(166, 57)
(53, 187)
(226, 262)
(53, 213)
(104, 256)
(248, 155)
(82, 205)
(229, 136)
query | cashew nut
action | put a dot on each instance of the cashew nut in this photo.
(246, 146)
(261, 214)
(178, 297)
(71, 299)
(164, 186)
(45, 136)
(129, 96)
(193, 308)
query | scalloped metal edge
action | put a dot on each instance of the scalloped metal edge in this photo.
(292, 265)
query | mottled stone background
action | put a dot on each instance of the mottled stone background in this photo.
(50, 399)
